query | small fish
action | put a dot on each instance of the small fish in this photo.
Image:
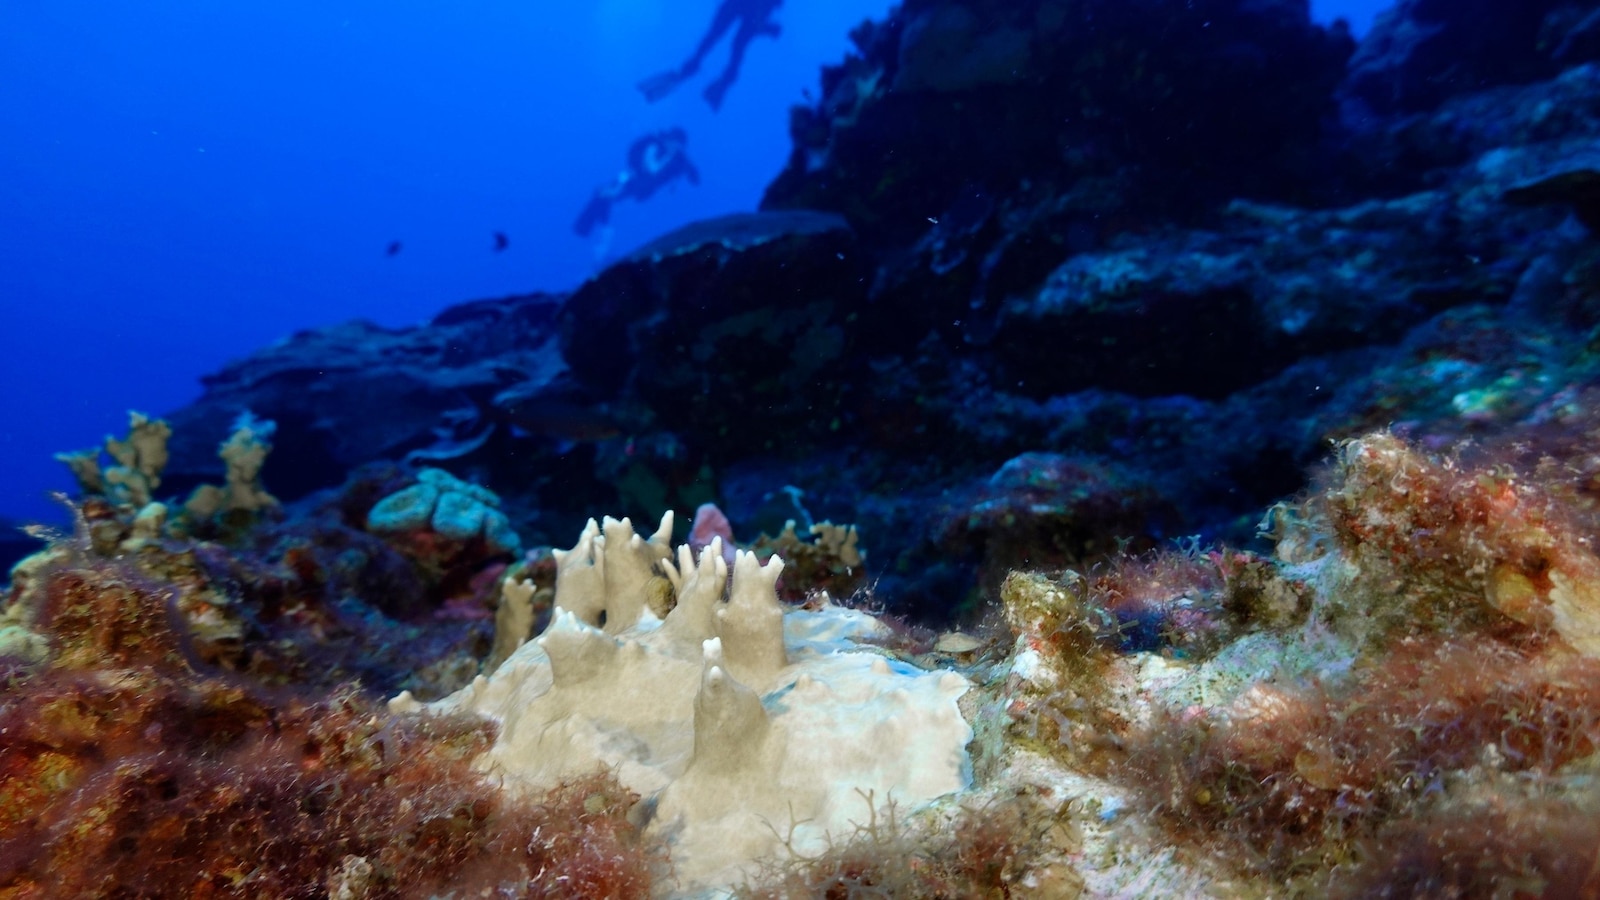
(393, 249)
(501, 241)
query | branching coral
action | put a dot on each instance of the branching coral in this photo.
(244, 452)
(127, 489)
(139, 457)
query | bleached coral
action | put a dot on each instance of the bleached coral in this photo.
(752, 731)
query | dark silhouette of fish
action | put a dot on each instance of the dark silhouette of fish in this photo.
(393, 249)
(501, 241)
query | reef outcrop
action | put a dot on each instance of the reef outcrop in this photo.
(1185, 244)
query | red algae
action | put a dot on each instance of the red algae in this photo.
(1309, 771)
(131, 768)
(1444, 543)
(1438, 757)
(980, 854)
(1503, 839)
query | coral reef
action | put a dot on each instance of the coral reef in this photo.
(1408, 679)
(300, 596)
(1052, 299)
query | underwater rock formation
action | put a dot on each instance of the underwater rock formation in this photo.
(999, 100)
(1423, 51)
(1186, 278)
(703, 325)
(435, 386)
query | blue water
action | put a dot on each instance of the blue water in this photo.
(185, 181)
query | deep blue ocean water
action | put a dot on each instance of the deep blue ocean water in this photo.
(182, 182)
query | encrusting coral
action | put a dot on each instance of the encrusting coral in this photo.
(749, 730)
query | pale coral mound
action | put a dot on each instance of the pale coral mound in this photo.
(754, 731)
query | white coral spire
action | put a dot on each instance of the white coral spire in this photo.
(730, 725)
(630, 564)
(699, 587)
(577, 651)
(581, 576)
(751, 625)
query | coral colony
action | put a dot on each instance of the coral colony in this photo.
(1223, 465)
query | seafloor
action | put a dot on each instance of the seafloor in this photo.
(1213, 405)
